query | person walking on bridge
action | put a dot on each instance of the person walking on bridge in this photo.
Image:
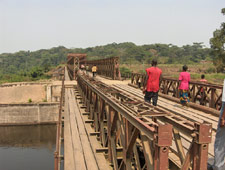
(219, 145)
(184, 80)
(151, 85)
(94, 70)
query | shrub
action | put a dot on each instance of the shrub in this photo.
(211, 70)
(124, 70)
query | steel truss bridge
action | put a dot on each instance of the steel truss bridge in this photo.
(109, 126)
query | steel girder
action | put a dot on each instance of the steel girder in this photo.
(201, 93)
(108, 67)
(128, 123)
(57, 153)
(74, 61)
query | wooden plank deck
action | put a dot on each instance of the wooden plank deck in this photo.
(188, 113)
(170, 106)
(79, 146)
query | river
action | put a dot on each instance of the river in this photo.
(27, 147)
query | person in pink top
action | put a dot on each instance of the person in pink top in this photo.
(184, 79)
(151, 86)
(203, 80)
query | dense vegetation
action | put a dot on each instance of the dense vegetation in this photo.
(218, 44)
(26, 65)
(165, 53)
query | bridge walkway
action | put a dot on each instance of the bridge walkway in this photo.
(188, 113)
(170, 106)
(79, 145)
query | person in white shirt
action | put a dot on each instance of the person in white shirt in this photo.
(219, 146)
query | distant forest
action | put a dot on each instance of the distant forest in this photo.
(26, 65)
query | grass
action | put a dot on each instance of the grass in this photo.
(173, 71)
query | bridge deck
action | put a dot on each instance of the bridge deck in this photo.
(175, 108)
(188, 113)
(79, 146)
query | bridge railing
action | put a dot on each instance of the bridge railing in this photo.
(134, 135)
(202, 93)
(74, 61)
(57, 153)
(108, 67)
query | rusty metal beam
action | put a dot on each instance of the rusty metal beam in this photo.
(74, 61)
(137, 114)
(108, 67)
(202, 93)
(124, 126)
(57, 153)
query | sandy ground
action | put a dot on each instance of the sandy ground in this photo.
(21, 94)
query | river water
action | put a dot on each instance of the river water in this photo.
(27, 147)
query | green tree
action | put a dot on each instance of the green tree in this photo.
(217, 44)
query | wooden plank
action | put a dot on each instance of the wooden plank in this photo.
(85, 144)
(138, 91)
(103, 164)
(68, 148)
(189, 113)
(78, 149)
(170, 105)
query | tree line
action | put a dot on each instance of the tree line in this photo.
(30, 65)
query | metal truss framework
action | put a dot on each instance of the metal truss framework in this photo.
(57, 153)
(139, 137)
(108, 67)
(74, 61)
(205, 94)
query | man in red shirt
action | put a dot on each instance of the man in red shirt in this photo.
(151, 87)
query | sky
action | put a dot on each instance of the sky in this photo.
(42, 24)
